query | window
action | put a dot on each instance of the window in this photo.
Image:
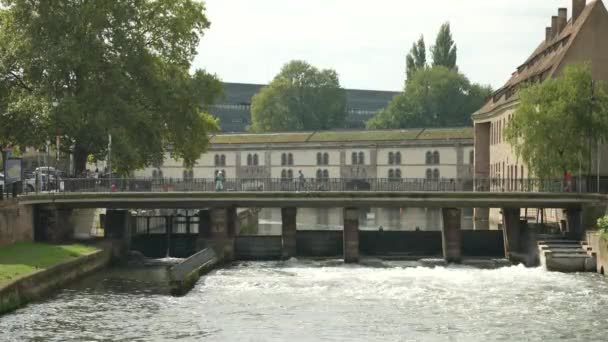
(436, 158)
(325, 158)
(429, 157)
(471, 157)
(398, 173)
(154, 174)
(319, 174)
(283, 174)
(249, 160)
(188, 175)
(283, 159)
(436, 174)
(290, 159)
(319, 159)
(290, 174)
(223, 160)
(354, 158)
(391, 158)
(398, 158)
(325, 174)
(429, 174)
(216, 160)
(255, 159)
(361, 158)
(391, 174)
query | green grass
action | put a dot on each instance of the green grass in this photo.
(27, 257)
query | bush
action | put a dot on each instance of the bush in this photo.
(602, 224)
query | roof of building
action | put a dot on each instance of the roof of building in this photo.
(543, 63)
(346, 136)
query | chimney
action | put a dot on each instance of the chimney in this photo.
(554, 31)
(548, 34)
(562, 20)
(577, 8)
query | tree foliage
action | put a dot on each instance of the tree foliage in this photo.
(109, 67)
(444, 50)
(415, 59)
(556, 120)
(300, 97)
(434, 97)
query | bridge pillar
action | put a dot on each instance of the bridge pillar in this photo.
(575, 223)
(289, 228)
(351, 235)
(511, 231)
(222, 230)
(451, 235)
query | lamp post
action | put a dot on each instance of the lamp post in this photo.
(110, 158)
(55, 105)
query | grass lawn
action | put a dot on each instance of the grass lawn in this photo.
(27, 257)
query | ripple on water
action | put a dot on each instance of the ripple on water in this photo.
(312, 301)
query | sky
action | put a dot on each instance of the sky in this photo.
(366, 41)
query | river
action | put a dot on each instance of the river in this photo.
(323, 301)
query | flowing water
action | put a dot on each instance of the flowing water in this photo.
(323, 301)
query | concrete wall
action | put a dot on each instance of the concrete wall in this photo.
(16, 222)
(599, 246)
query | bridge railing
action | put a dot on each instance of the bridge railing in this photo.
(328, 184)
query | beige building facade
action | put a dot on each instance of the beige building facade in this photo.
(429, 154)
(581, 38)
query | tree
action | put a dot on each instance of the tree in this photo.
(416, 59)
(88, 69)
(300, 97)
(555, 121)
(434, 97)
(444, 50)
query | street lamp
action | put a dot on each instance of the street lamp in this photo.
(55, 104)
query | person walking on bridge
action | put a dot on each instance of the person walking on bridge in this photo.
(219, 181)
(301, 181)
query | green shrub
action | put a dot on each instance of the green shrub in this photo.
(602, 224)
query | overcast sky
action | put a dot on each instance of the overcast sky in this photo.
(366, 41)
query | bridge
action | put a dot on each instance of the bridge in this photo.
(52, 209)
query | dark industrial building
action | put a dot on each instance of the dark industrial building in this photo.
(235, 116)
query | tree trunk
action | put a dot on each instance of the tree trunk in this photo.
(80, 159)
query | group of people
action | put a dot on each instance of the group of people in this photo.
(220, 180)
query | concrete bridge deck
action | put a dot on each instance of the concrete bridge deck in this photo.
(354, 199)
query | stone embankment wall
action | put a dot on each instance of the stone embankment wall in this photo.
(38, 285)
(599, 245)
(16, 222)
(184, 275)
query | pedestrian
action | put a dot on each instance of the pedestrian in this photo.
(219, 181)
(567, 181)
(301, 180)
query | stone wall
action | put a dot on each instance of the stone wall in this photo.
(16, 222)
(599, 246)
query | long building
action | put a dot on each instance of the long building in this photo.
(434, 154)
(234, 110)
(581, 38)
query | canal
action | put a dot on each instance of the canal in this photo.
(323, 301)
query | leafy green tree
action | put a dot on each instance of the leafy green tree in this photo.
(300, 97)
(555, 121)
(434, 97)
(444, 50)
(416, 59)
(83, 70)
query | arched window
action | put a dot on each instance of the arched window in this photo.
(325, 174)
(290, 174)
(361, 158)
(398, 174)
(283, 159)
(319, 174)
(429, 174)
(154, 174)
(223, 160)
(325, 158)
(398, 158)
(216, 160)
(391, 158)
(471, 157)
(436, 158)
(283, 174)
(391, 174)
(290, 159)
(319, 159)
(436, 174)
(185, 174)
(354, 158)
(249, 160)
(255, 159)
(429, 158)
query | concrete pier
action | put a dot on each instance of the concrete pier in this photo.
(223, 222)
(451, 235)
(511, 228)
(288, 217)
(574, 218)
(351, 235)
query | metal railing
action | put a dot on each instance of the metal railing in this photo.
(332, 184)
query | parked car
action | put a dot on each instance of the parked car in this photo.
(2, 180)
